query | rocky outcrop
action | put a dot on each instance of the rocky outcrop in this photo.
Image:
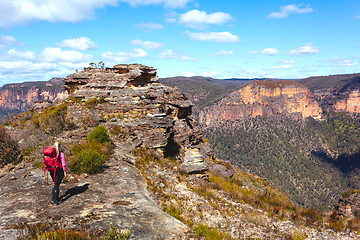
(349, 204)
(153, 115)
(263, 98)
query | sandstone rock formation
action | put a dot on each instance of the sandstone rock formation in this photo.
(263, 98)
(154, 115)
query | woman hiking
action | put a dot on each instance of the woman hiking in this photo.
(57, 169)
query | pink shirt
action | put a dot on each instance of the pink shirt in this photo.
(63, 162)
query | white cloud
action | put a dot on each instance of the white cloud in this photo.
(149, 27)
(219, 37)
(308, 49)
(147, 45)
(81, 44)
(188, 74)
(286, 66)
(253, 52)
(167, 3)
(23, 12)
(21, 67)
(199, 19)
(280, 61)
(124, 57)
(51, 54)
(357, 17)
(168, 54)
(211, 74)
(224, 53)
(289, 9)
(16, 55)
(73, 66)
(253, 73)
(270, 51)
(10, 41)
(188, 58)
(341, 62)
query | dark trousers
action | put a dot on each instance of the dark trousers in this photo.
(59, 175)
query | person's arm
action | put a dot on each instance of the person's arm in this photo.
(63, 162)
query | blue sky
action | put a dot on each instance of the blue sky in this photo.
(41, 39)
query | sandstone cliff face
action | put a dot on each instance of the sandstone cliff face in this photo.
(350, 104)
(20, 97)
(263, 98)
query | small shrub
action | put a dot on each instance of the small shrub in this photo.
(89, 156)
(204, 231)
(9, 149)
(116, 234)
(52, 120)
(89, 161)
(299, 235)
(99, 134)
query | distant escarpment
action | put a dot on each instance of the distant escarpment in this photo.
(336, 93)
(263, 98)
(19, 97)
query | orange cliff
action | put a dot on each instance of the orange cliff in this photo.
(21, 96)
(263, 98)
(350, 104)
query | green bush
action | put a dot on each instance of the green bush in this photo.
(52, 120)
(88, 157)
(116, 234)
(99, 134)
(204, 231)
(89, 161)
(9, 149)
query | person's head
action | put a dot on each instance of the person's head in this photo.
(57, 146)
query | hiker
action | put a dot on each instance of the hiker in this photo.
(57, 174)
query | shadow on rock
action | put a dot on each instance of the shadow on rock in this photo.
(74, 191)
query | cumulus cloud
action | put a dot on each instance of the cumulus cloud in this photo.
(308, 49)
(172, 54)
(224, 53)
(290, 9)
(270, 51)
(199, 19)
(280, 61)
(253, 52)
(124, 57)
(186, 58)
(10, 41)
(23, 12)
(219, 37)
(51, 54)
(149, 27)
(16, 55)
(286, 66)
(167, 3)
(7, 67)
(147, 45)
(211, 74)
(341, 62)
(188, 74)
(81, 44)
(168, 54)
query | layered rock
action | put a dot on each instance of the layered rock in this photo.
(263, 98)
(153, 115)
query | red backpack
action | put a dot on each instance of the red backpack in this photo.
(51, 160)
